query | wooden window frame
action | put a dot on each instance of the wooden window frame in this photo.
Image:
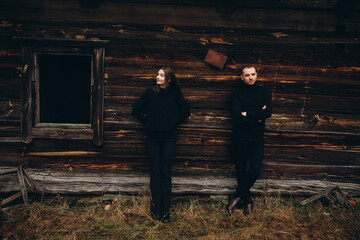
(30, 125)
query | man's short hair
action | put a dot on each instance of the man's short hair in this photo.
(247, 66)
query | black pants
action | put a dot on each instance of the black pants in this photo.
(161, 155)
(249, 155)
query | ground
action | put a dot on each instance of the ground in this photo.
(193, 217)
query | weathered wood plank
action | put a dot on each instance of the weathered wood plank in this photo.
(217, 99)
(291, 119)
(271, 170)
(26, 94)
(186, 16)
(80, 182)
(299, 164)
(226, 80)
(98, 96)
(283, 162)
(307, 161)
(206, 137)
(62, 133)
(200, 71)
(303, 61)
(344, 101)
(10, 132)
(130, 39)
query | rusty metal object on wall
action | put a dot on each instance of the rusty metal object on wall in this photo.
(215, 58)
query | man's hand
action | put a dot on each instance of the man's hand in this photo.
(244, 113)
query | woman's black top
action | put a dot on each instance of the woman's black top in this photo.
(162, 111)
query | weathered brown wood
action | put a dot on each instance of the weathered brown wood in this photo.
(302, 166)
(26, 95)
(221, 119)
(326, 192)
(186, 16)
(347, 203)
(80, 182)
(11, 198)
(98, 96)
(319, 195)
(203, 98)
(22, 176)
(282, 168)
(310, 69)
(22, 185)
(69, 46)
(12, 207)
(5, 170)
(10, 109)
(28, 180)
(212, 141)
(201, 144)
(260, 3)
(62, 133)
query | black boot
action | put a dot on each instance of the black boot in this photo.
(232, 202)
(155, 215)
(166, 218)
(248, 209)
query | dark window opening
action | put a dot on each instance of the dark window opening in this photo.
(64, 88)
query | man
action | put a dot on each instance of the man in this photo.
(251, 105)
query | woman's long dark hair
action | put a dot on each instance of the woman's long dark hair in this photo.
(170, 80)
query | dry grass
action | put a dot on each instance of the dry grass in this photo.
(192, 218)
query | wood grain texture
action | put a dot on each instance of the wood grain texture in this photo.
(311, 69)
(250, 18)
(80, 182)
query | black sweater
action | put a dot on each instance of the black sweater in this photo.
(251, 99)
(162, 111)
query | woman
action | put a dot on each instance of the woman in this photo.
(161, 109)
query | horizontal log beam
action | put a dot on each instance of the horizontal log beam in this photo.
(244, 18)
(298, 165)
(311, 71)
(74, 182)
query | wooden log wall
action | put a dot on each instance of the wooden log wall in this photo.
(306, 55)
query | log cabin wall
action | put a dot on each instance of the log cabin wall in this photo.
(307, 54)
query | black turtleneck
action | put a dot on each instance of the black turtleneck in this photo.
(250, 99)
(162, 111)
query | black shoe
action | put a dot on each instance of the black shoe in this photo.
(248, 209)
(166, 218)
(155, 216)
(232, 202)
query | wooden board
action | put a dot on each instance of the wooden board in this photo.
(310, 68)
(84, 182)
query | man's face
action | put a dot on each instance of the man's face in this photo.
(249, 76)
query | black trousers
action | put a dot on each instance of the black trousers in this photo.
(161, 155)
(249, 155)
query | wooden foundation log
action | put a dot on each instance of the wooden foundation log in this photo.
(95, 182)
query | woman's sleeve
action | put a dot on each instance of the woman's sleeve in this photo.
(139, 108)
(183, 107)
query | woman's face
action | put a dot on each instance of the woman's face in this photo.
(160, 79)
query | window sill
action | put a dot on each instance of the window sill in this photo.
(62, 133)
